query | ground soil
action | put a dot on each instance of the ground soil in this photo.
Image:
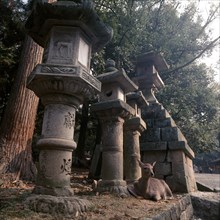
(105, 206)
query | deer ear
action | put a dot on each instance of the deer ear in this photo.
(153, 164)
(140, 163)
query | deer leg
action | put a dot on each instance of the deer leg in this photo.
(156, 197)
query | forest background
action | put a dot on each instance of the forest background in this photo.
(191, 95)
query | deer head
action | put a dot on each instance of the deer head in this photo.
(147, 169)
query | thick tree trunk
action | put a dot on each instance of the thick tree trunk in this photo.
(18, 122)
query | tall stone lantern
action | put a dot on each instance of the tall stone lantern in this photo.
(112, 111)
(146, 75)
(69, 33)
(133, 128)
(163, 141)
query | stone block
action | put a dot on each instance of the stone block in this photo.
(206, 205)
(151, 110)
(177, 183)
(172, 134)
(189, 162)
(153, 146)
(187, 213)
(163, 169)
(162, 114)
(151, 156)
(151, 134)
(149, 123)
(168, 122)
(176, 157)
(181, 145)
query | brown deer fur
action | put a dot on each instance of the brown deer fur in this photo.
(149, 187)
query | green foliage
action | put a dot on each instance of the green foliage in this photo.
(193, 103)
(11, 36)
(141, 26)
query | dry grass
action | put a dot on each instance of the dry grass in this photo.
(105, 206)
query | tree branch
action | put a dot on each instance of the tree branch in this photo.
(196, 57)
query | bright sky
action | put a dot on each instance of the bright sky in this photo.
(214, 59)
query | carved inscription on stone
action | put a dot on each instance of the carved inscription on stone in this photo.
(58, 69)
(61, 46)
(66, 166)
(92, 80)
(69, 120)
(62, 50)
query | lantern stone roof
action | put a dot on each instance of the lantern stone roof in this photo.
(113, 75)
(156, 59)
(136, 97)
(68, 13)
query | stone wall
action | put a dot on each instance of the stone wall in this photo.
(164, 143)
(182, 210)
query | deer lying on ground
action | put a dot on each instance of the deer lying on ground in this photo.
(149, 187)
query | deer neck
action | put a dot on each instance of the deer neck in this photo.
(144, 180)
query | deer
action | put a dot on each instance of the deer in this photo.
(149, 187)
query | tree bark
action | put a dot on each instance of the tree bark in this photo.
(18, 122)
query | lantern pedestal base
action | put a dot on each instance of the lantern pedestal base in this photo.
(64, 206)
(53, 191)
(118, 187)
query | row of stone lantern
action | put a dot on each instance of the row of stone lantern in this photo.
(63, 81)
(70, 32)
(119, 103)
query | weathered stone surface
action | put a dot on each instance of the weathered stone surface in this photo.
(163, 168)
(172, 134)
(112, 111)
(156, 114)
(153, 146)
(206, 205)
(135, 124)
(183, 179)
(163, 141)
(66, 84)
(136, 100)
(162, 123)
(67, 31)
(151, 156)
(118, 187)
(67, 13)
(57, 205)
(151, 135)
(111, 108)
(132, 129)
(183, 210)
(118, 77)
(181, 145)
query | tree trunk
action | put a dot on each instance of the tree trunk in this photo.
(83, 131)
(18, 122)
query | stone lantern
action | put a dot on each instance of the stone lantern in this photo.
(69, 33)
(112, 110)
(162, 141)
(146, 75)
(133, 128)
